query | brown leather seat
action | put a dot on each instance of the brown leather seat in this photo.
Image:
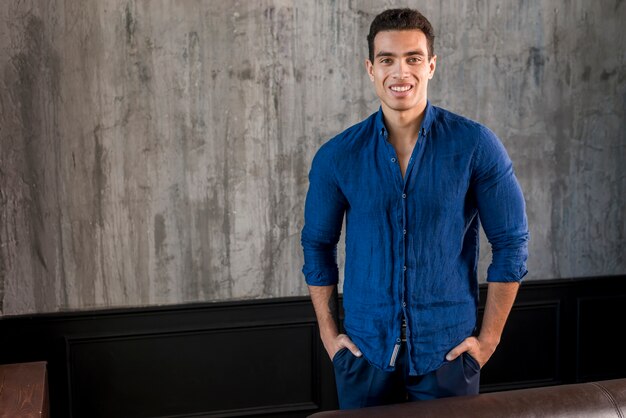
(24, 390)
(582, 400)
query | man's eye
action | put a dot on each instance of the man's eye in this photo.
(385, 61)
(414, 60)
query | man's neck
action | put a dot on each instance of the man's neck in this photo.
(403, 126)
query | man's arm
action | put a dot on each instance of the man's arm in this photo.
(323, 216)
(324, 300)
(500, 298)
(502, 212)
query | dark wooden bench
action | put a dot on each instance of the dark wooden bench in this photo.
(24, 390)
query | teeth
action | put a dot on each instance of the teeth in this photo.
(400, 89)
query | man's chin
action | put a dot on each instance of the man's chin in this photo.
(401, 107)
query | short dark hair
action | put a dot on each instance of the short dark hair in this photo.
(401, 19)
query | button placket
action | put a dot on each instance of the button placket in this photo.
(404, 241)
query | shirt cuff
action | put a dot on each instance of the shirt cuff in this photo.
(321, 278)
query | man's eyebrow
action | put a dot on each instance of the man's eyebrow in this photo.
(406, 54)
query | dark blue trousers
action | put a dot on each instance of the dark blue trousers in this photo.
(359, 384)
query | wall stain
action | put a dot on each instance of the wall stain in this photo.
(586, 75)
(43, 160)
(130, 24)
(226, 223)
(202, 263)
(605, 75)
(246, 74)
(99, 175)
(159, 235)
(536, 62)
(143, 72)
(37, 69)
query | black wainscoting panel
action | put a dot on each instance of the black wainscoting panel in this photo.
(601, 324)
(528, 355)
(263, 358)
(216, 372)
(179, 361)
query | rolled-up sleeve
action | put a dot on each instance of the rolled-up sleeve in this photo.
(501, 209)
(323, 218)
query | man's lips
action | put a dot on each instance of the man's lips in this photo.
(400, 88)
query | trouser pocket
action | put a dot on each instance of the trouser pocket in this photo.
(339, 354)
(470, 363)
(458, 377)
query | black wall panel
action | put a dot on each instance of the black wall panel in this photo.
(221, 371)
(529, 352)
(601, 321)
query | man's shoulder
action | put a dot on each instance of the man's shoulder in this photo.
(351, 136)
(461, 130)
(457, 121)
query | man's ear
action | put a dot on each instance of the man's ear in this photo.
(433, 66)
(369, 67)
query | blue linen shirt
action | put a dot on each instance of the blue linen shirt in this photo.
(412, 243)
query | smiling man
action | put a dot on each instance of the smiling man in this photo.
(415, 182)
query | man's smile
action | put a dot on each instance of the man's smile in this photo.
(401, 87)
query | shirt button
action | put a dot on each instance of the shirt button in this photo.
(393, 160)
(404, 268)
(404, 304)
(404, 232)
(398, 340)
(404, 195)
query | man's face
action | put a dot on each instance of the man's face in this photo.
(401, 69)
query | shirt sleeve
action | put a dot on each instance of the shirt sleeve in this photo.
(323, 218)
(501, 209)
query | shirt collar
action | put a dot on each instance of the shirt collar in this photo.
(426, 122)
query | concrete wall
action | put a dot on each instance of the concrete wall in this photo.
(156, 152)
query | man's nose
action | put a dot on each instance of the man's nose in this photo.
(402, 69)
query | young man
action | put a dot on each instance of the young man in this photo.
(413, 180)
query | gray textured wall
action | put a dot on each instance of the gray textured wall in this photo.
(157, 152)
